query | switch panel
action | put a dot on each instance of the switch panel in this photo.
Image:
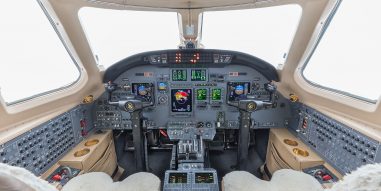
(38, 149)
(343, 147)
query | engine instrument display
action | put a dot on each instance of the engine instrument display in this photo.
(179, 75)
(204, 178)
(143, 91)
(178, 178)
(198, 75)
(201, 94)
(181, 100)
(216, 94)
(238, 90)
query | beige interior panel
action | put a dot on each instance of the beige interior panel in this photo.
(100, 157)
(281, 155)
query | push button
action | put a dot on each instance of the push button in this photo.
(326, 177)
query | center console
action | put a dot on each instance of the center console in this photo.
(188, 170)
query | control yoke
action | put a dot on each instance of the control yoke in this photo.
(130, 104)
(250, 104)
(134, 106)
(246, 106)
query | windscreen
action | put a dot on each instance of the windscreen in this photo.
(266, 33)
(117, 34)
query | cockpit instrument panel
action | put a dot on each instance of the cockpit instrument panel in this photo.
(192, 87)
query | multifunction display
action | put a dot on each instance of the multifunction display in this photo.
(204, 178)
(181, 100)
(216, 94)
(201, 94)
(178, 178)
(238, 90)
(179, 75)
(198, 75)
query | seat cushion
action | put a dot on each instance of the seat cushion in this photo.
(16, 178)
(282, 180)
(10, 183)
(291, 180)
(99, 181)
(244, 181)
(93, 181)
(141, 181)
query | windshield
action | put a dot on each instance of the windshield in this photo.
(266, 33)
(117, 34)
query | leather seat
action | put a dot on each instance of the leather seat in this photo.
(282, 180)
(365, 178)
(19, 179)
(99, 181)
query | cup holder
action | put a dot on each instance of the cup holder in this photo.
(300, 152)
(290, 142)
(81, 153)
(91, 142)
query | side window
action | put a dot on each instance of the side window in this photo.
(346, 60)
(33, 60)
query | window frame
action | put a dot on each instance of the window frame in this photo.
(70, 54)
(311, 52)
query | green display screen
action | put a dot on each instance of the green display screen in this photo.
(201, 94)
(179, 75)
(198, 75)
(216, 94)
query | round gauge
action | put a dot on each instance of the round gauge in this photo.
(181, 97)
(142, 90)
(239, 90)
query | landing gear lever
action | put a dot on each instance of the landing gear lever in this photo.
(134, 106)
(246, 106)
